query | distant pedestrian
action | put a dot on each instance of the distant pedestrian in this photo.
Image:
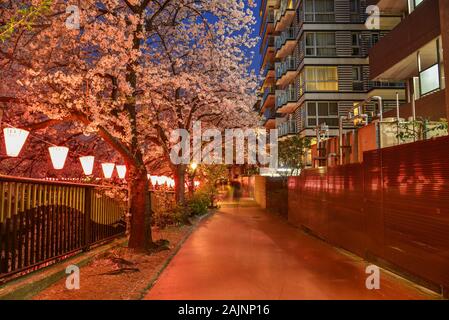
(237, 191)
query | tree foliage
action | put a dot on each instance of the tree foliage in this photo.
(292, 153)
(132, 73)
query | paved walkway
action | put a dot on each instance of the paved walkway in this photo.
(246, 253)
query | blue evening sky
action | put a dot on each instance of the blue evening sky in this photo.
(257, 57)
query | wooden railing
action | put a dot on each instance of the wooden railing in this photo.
(41, 221)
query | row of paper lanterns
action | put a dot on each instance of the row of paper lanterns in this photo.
(161, 180)
(15, 140)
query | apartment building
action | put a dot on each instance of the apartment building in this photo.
(415, 52)
(315, 64)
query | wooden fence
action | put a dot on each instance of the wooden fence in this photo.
(42, 221)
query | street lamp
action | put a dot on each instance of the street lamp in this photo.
(193, 167)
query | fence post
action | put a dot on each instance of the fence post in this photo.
(87, 218)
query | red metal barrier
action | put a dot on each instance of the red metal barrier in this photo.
(393, 206)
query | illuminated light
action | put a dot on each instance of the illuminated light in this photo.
(88, 164)
(58, 155)
(193, 166)
(161, 180)
(171, 183)
(196, 184)
(154, 180)
(14, 140)
(148, 176)
(121, 170)
(108, 169)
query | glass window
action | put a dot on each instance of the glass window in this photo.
(333, 108)
(321, 78)
(323, 108)
(357, 73)
(429, 79)
(311, 109)
(354, 9)
(357, 78)
(319, 10)
(327, 113)
(311, 122)
(320, 44)
(374, 38)
(355, 43)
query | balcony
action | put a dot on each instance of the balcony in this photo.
(387, 89)
(267, 98)
(286, 100)
(268, 75)
(285, 43)
(285, 14)
(268, 26)
(287, 128)
(268, 71)
(393, 56)
(286, 70)
(385, 85)
(268, 50)
(269, 118)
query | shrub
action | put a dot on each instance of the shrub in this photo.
(176, 216)
(198, 204)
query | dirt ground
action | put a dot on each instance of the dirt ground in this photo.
(119, 274)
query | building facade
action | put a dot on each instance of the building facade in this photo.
(414, 52)
(315, 64)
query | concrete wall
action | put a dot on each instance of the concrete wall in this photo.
(277, 196)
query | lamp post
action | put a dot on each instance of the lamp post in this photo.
(193, 168)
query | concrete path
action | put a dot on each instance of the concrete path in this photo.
(245, 253)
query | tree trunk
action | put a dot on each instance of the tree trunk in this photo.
(140, 210)
(179, 172)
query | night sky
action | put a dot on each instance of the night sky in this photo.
(257, 57)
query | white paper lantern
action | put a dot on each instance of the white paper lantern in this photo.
(161, 180)
(154, 180)
(88, 164)
(14, 140)
(121, 170)
(58, 155)
(108, 169)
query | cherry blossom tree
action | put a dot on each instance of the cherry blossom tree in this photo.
(134, 71)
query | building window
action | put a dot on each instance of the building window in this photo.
(320, 44)
(357, 78)
(374, 39)
(319, 11)
(321, 112)
(354, 10)
(412, 4)
(321, 78)
(355, 43)
(429, 64)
